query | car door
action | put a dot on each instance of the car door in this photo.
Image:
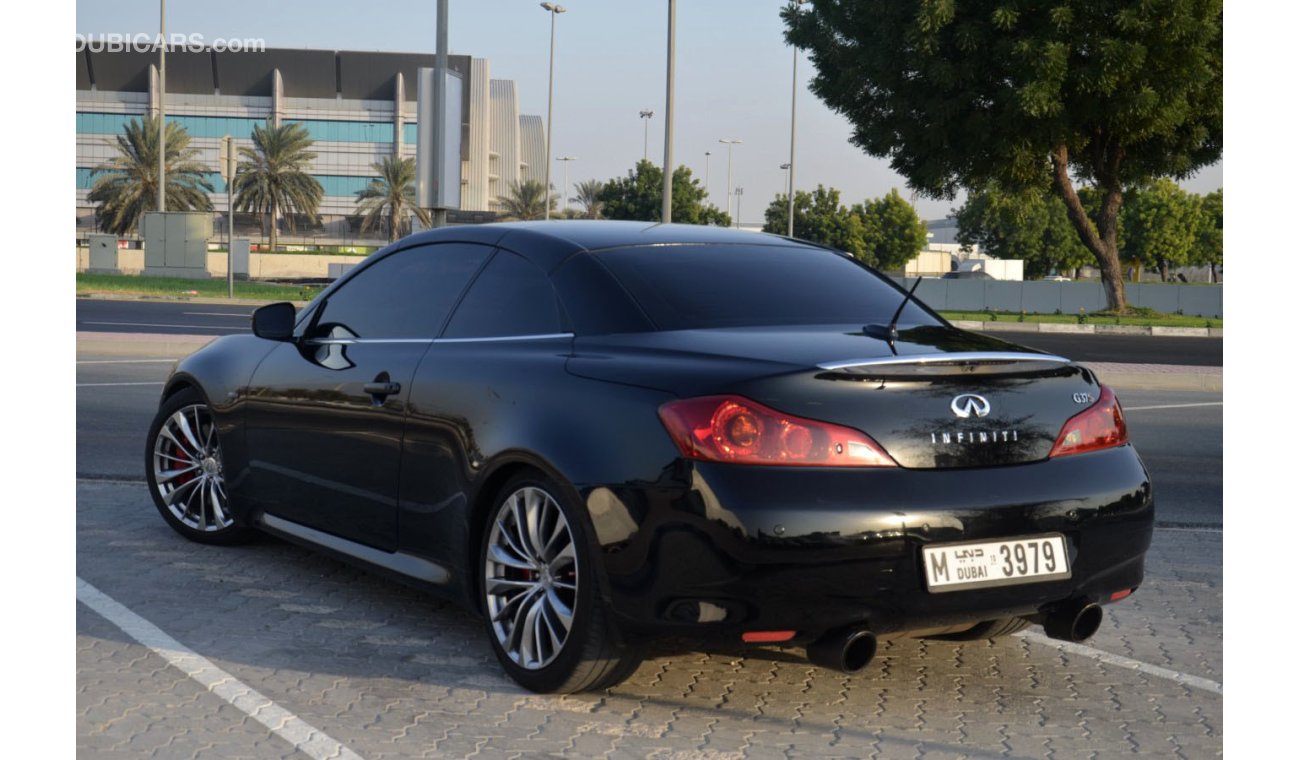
(325, 413)
(494, 364)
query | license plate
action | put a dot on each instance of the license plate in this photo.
(982, 564)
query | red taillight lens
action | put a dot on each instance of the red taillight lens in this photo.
(735, 429)
(1100, 426)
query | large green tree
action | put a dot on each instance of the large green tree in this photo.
(1025, 92)
(894, 232)
(1208, 250)
(1160, 226)
(1031, 225)
(272, 176)
(126, 186)
(391, 198)
(639, 196)
(820, 218)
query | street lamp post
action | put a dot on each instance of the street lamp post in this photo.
(706, 171)
(794, 91)
(162, 108)
(668, 113)
(729, 142)
(739, 192)
(645, 150)
(565, 191)
(554, 10)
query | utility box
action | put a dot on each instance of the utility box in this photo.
(103, 255)
(176, 243)
(239, 248)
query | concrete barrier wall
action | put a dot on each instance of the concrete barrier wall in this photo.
(260, 265)
(1038, 297)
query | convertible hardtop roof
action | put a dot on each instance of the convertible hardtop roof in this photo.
(548, 243)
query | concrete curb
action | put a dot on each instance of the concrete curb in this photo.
(1089, 329)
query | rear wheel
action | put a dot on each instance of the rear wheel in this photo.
(185, 471)
(544, 614)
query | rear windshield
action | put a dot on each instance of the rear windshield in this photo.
(698, 287)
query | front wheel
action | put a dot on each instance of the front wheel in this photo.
(544, 615)
(186, 475)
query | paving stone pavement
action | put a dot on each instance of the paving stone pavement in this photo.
(391, 672)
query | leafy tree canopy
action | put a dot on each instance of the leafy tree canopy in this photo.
(1031, 225)
(1160, 226)
(126, 186)
(639, 196)
(894, 233)
(884, 232)
(960, 94)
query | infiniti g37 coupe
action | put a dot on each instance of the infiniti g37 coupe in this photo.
(591, 433)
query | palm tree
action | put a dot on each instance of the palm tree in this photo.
(392, 195)
(525, 201)
(127, 185)
(271, 178)
(588, 196)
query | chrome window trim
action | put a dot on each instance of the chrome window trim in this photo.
(498, 339)
(354, 341)
(948, 358)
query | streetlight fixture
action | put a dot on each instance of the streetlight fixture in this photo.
(565, 191)
(794, 91)
(554, 10)
(645, 151)
(730, 142)
(706, 171)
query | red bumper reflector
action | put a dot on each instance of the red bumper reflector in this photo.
(1118, 595)
(756, 637)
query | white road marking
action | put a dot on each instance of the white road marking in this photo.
(110, 385)
(146, 324)
(245, 315)
(310, 740)
(1171, 406)
(1195, 682)
(127, 361)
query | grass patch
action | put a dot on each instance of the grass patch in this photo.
(180, 287)
(1136, 316)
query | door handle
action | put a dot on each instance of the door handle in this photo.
(382, 388)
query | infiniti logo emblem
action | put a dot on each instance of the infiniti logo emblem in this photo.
(968, 403)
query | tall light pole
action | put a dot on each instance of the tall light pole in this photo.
(554, 10)
(645, 149)
(739, 192)
(668, 114)
(729, 142)
(565, 196)
(794, 91)
(706, 171)
(162, 108)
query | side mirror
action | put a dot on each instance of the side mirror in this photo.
(275, 321)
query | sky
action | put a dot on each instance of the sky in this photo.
(733, 77)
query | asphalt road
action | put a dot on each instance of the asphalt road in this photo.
(180, 318)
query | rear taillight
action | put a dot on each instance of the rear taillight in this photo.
(1100, 426)
(736, 429)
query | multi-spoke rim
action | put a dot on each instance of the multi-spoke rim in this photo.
(187, 469)
(531, 578)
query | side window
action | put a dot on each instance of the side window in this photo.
(404, 295)
(511, 297)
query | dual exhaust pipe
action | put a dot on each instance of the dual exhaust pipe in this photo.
(849, 650)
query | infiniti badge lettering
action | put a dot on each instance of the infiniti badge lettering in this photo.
(968, 403)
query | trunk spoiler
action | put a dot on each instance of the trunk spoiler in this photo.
(952, 363)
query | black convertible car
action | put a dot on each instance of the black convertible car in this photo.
(596, 432)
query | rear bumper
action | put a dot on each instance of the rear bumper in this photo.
(812, 550)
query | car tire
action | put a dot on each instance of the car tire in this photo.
(538, 589)
(185, 472)
(989, 630)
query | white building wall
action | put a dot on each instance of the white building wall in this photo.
(532, 142)
(474, 193)
(504, 141)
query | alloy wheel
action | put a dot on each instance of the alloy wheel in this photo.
(187, 470)
(531, 578)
